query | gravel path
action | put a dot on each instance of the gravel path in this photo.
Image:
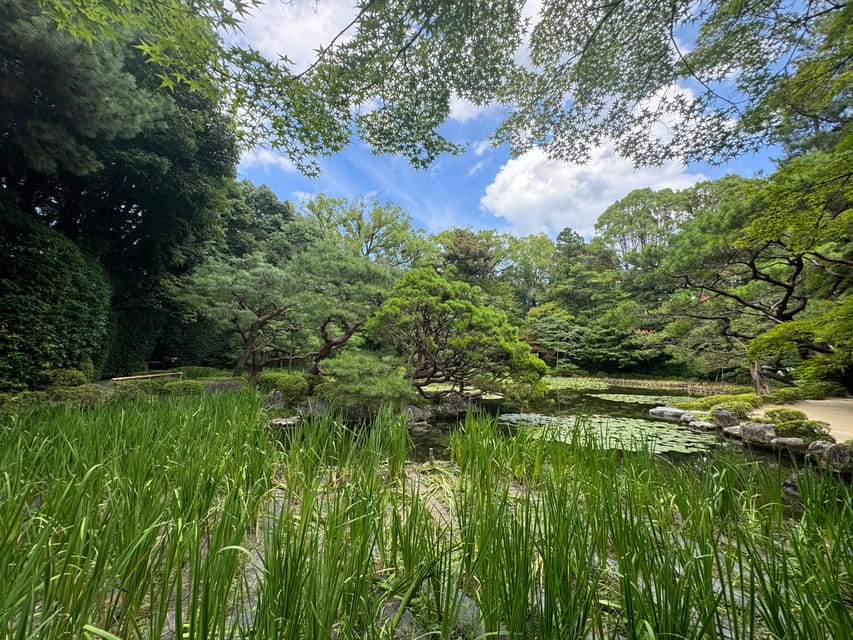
(838, 412)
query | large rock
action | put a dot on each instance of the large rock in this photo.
(724, 418)
(450, 406)
(797, 445)
(735, 432)
(758, 432)
(838, 458)
(667, 413)
(700, 426)
(818, 448)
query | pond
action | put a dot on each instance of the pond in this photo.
(617, 416)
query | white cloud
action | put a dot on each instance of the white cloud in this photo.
(536, 194)
(297, 28)
(482, 146)
(463, 110)
(265, 160)
(474, 169)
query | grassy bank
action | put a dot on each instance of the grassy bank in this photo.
(186, 518)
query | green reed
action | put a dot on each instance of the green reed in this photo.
(187, 517)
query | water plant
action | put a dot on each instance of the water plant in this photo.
(185, 516)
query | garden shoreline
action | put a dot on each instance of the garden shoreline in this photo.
(838, 412)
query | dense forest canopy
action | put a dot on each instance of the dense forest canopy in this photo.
(121, 127)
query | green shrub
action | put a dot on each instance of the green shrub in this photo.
(786, 395)
(778, 416)
(817, 390)
(709, 402)
(11, 401)
(85, 394)
(806, 429)
(68, 378)
(293, 386)
(183, 388)
(739, 408)
(365, 382)
(141, 389)
(54, 301)
(195, 373)
(689, 405)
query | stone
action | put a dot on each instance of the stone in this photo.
(667, 413)
(282, 423)
(448, 407)
(701, 426)
(420, 428)
(758, 432)
(797, 445)
(818, 448)
(838, 458)
(418, 414)
(791, 484)
(687, 418)
(735, 432)
(723, 418)
(275, 400)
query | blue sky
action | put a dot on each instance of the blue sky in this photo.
(482, 187)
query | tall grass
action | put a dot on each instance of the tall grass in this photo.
(185, 518)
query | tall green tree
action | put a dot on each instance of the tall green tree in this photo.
(382, 232)
(298, 311)
(686, 80)
(449, 335)
(59, 97)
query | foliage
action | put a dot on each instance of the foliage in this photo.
(362, 383)
(784, 415)
(85, 394)
(448, 334)
(68, 378)
(296, 302)
(352, 531)
(754, 75)
(808, 430)
(183, 388)
(740, 409)
(292, 386)
(145, 389)
(59, 96)
(382, 232)
(751, 400)
(54, 301)
(208, 373)
(785, 395)
(817, 390)
(753, 72)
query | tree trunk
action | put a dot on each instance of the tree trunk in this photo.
(249, 336)
(760, 384)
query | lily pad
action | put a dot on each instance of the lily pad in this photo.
(626, 434)
(640, 399)
(578, 384)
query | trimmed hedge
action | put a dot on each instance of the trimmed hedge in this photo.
(293, 386)
(183, 388)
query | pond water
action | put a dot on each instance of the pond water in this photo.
(616, 416)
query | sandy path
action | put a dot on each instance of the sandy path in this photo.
(838, 412)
